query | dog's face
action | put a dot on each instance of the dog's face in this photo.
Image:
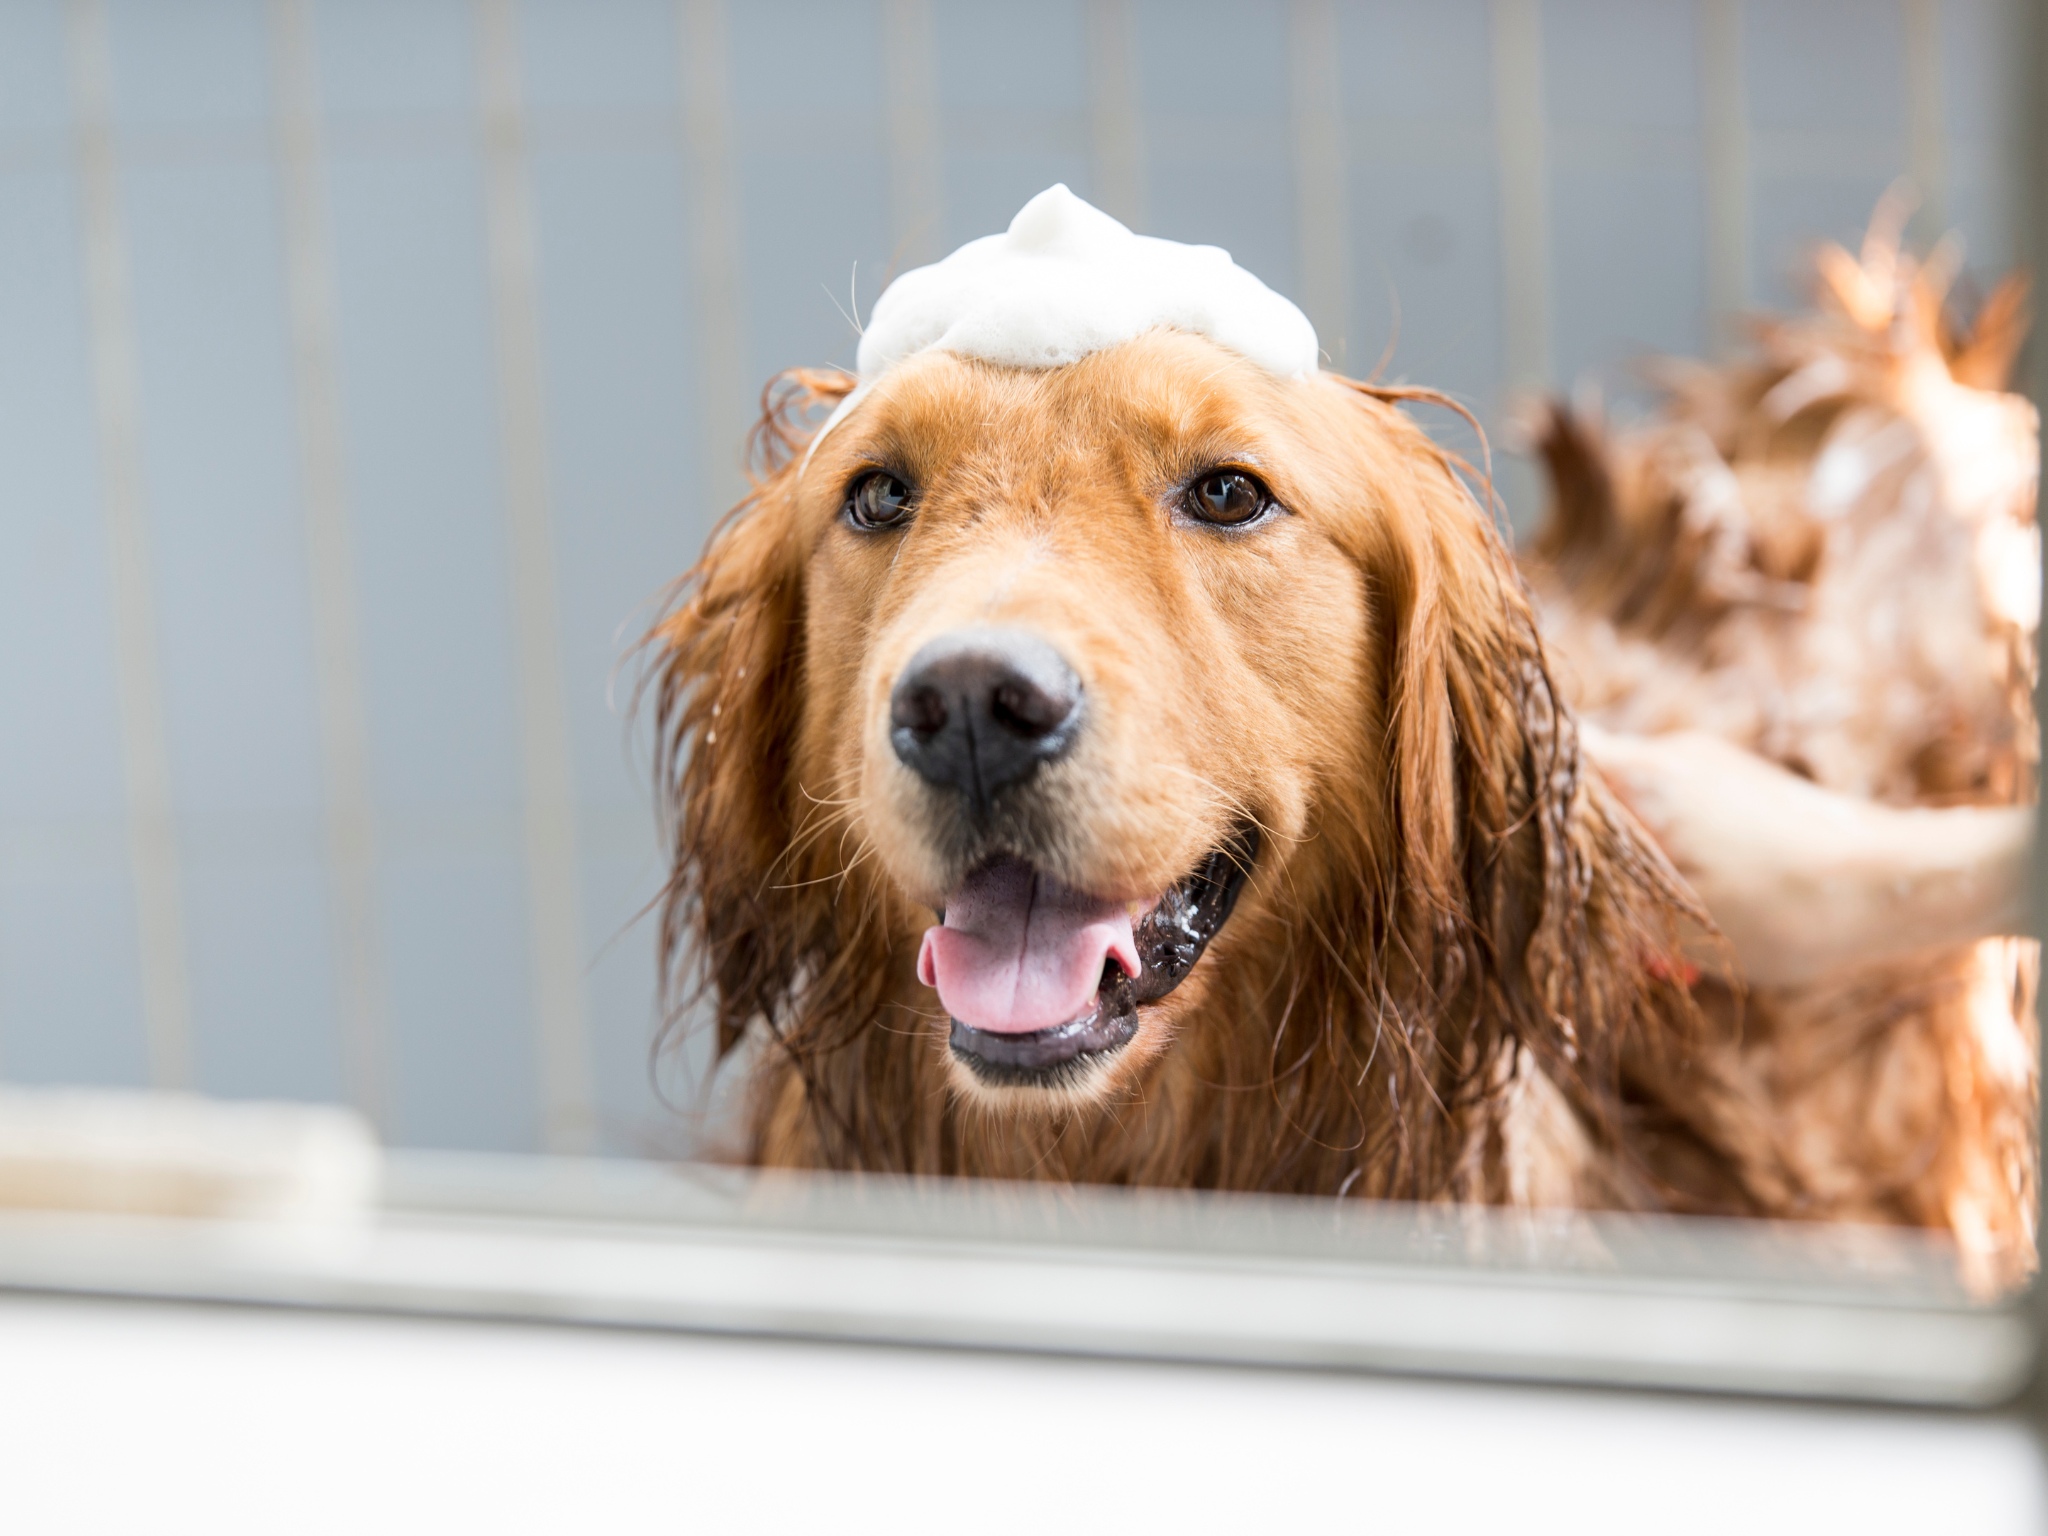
(1159, 754)
(1084, 650)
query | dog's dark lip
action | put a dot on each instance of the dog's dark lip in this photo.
(1171, 938)
(1045, 1058)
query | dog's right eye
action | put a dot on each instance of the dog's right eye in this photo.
(878, 501)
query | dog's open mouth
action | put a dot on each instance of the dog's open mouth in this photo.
(1041, 979)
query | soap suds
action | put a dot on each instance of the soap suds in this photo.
(1067, 280)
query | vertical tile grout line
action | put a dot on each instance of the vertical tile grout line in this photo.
(916, 173)
(1524, 196)
(1724, 144)
(1117, 125)
(548, 806)
(714, 218)
(1322, 206)
(1926, 133)
(145, 746)
(330, 556)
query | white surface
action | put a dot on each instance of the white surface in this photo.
(129, 1417)
(97, 1149)
(1799, 1311)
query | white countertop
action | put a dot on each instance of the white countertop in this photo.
(132, 1416)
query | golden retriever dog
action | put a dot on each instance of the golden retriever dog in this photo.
(1200, 716)
(1153, 769)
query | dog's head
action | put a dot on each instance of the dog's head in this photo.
(1033, 702)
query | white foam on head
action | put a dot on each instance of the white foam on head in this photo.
(1067, 280)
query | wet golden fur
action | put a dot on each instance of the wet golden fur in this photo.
(1451, 969)
(1824, 554)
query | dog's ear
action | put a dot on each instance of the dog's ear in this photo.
(726, 675)
(1461, 670)
(1527, 902)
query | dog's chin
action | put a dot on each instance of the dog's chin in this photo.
(1059, 1068)
(1083, 1059)
(1070, 1063)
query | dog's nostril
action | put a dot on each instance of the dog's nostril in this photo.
(1027, 710)
(922, 710)
(979, 709)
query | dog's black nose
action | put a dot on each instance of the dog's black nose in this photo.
(979, 709)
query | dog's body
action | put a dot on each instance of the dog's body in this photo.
(1828, 557)
(1452, 970)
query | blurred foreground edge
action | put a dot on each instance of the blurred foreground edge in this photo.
(1867, 1313)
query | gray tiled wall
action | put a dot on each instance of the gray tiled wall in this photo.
(367, 365)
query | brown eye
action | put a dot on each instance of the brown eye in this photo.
(1228, 496)
(878, 501)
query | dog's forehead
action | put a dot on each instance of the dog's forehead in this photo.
(1161, 392)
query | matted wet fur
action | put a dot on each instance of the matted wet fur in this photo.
(1456, 953)
(1827, 555)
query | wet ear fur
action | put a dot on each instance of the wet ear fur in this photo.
(1528, 908)
(726, 679)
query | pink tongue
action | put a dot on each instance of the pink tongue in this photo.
(1019, 952)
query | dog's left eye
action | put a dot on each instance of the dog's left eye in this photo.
(1229, 497)
(877, 501)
